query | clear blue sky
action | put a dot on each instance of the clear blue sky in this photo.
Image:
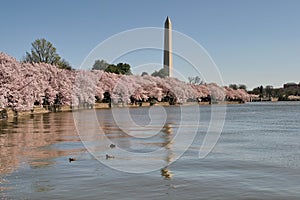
(252, 41)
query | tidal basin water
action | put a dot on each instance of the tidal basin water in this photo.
(256, 157)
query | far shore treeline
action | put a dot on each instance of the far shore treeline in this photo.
(24, 84)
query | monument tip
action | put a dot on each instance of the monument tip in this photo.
(168, 20)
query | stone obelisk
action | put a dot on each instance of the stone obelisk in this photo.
(168, 65)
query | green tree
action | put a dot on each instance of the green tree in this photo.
(124, 68)
(233, 86)
(269, 90)
(242, 86)
(161, 73)
(120, 68)
(261, 91)
(63, 64)
(100, 65)
(44, 51)
(144, 74)
(112, 69)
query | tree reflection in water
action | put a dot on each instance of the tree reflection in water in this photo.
(36, 140)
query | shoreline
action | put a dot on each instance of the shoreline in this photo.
(10, 115)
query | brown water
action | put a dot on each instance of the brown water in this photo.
(257, 157)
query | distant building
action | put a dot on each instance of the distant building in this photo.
(291, 85)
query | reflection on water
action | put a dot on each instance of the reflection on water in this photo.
(167, 130)
(32, 140)
(135, 145)
(257, 157)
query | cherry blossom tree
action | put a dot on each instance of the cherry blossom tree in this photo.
(23, 85)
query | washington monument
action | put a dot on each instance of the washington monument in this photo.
(168, 65)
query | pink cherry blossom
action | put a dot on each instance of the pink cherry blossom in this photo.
(24, 84)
